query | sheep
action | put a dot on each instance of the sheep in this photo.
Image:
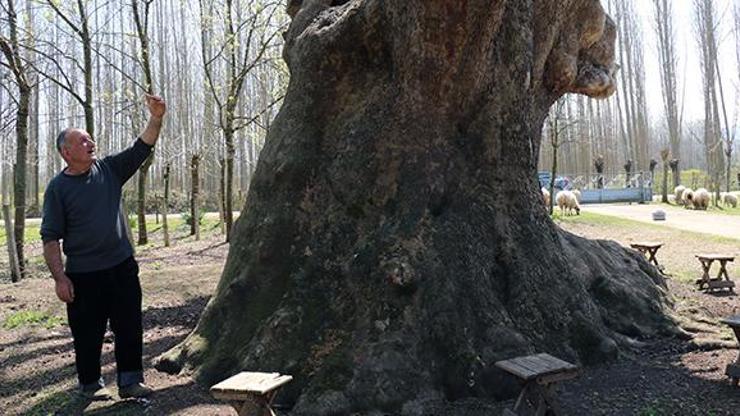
(686, 196)
(567, 202)
(700, 199)
(678, 194)
(577, 194)
(730, 199)
(546, 196)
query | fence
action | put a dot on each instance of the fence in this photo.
(597, 189)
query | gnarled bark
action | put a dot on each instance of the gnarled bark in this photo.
(394, 243)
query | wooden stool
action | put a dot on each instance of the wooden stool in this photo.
(649, 249)
(722, 279)
(250, 393)
(733, 369)
(539, 372)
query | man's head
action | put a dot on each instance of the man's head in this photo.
(77, 148)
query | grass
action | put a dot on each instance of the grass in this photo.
(175, 224)
(678, 253)
(603, 220)
(623, 223)
(32, 318)
(30, 235)
(49, 402)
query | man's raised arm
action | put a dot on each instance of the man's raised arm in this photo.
(157, 108)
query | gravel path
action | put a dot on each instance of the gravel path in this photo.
(676, 217)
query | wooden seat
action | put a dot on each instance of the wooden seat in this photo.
(649, 249)
(251, 393)
(733, 369)
(539, 372)
(722, 280)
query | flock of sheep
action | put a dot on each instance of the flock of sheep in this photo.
(567, 201)
(701, 198)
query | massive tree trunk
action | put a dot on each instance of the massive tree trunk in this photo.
(394, 243)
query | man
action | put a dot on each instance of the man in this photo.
(99, 282)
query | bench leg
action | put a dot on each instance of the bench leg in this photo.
(552, 403)
(255, 406)
(520, 399)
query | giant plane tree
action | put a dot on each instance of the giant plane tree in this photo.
(394, 243)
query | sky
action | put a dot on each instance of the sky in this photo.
(689, 70)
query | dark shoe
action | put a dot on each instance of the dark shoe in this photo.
(135, 390)
(98, 393)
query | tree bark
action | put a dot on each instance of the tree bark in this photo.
(394, 244)
(194, 195)
(166, 205)
(15, 270)
(10, 48)
(141, 199)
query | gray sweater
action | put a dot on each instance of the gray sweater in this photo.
(85, 211)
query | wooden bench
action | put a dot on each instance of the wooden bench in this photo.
(539, 372)
(733, 369)
(722, 280)
(649, 249)
(251, 393)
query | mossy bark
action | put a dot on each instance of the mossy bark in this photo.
(394, 243)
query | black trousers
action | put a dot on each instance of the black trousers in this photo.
(107, 295)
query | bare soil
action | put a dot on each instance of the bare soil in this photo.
(660, 377)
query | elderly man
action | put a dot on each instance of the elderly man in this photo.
(100, 280)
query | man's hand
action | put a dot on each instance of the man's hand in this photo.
(156, 104)
(65, 289)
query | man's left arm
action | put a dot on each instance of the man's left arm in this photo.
(125, 163)
(157, 109)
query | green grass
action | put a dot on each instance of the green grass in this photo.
(606, 220)
(30, 235)
(32, 318)
(613, 221)
(50, 403)
(174, 222)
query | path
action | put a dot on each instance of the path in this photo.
(684, 219)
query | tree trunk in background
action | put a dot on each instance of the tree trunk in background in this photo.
(166, 205)
(229, 183)
(87, 105)
(127, 223)
(15, 270)
(194, 196)
(140, 20)
(394, 244)
(141, 198)
(667, 60)
(706, 24)
(10, 48)
(222, 195)
(674, 164)
(20, 174)
(664, 155)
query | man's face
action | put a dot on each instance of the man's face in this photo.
(79, 148)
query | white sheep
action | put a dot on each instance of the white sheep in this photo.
(678, 194)
(567, 202)
(686, 196)
(700, 199)
(730, 199)
(546, 196)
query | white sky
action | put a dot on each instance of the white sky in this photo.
(689, 71)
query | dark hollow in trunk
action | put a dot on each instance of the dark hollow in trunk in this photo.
(394, 243)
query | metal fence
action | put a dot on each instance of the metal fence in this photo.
(603, 188)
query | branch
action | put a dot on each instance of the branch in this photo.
(257, 116)
(64, 17)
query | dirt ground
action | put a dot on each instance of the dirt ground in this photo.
(663, 377)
